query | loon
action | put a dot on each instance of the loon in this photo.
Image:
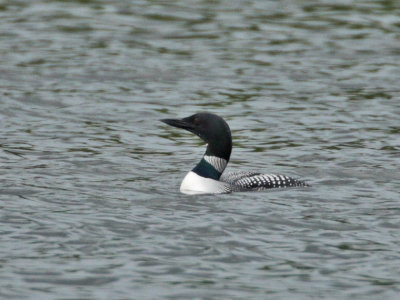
(208, 176)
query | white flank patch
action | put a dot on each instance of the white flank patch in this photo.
(195, 184)
(218, 163)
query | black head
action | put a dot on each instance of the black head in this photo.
(210, 128)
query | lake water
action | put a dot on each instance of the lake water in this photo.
(89, 182)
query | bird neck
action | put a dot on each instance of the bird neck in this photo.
(210, 166)
(216, 157)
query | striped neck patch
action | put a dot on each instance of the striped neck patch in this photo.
(218, 163)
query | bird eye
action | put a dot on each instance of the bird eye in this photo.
(196, 121)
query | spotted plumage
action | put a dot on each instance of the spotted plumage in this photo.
(245, 181)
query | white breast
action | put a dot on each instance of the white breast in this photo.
(195, 184)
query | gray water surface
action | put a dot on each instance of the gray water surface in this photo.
(89, 185)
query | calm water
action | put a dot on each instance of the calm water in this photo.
(89, 182)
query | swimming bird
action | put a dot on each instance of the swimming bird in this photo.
(208, 176)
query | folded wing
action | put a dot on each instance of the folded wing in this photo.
(245, 181)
